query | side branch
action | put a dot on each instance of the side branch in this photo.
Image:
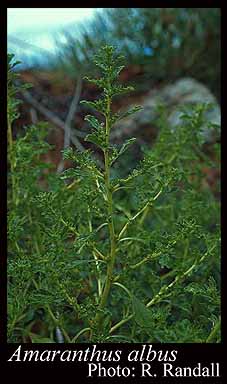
(149, 203)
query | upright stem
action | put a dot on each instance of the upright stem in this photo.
(95, 257)
(109, 196)
(214, 331)
(11, 156)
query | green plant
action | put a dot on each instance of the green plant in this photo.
(104, 258)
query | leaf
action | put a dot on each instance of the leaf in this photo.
(39, 339)
(96, 138)
(122, 115)
(125, 146)
(116, 72)
(84, 240)
(99, 82)
(130, 112)
(120, 89)
(10, 58)
(164, 261)
(94, 122)
(68, 173)
(98, 105)
(143, 316)
(82, 159)
(68, 154)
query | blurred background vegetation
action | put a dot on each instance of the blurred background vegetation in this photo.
(162, 44)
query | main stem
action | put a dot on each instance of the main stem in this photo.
(11, 156)
(109, 196)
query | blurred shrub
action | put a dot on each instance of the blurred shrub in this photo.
(166, 43)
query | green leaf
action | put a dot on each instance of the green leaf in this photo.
(38, 339)
(116, 72)
(97, 138)
(143, 316)
(164, 260)
(125, 146)
(94, 122)
(69, 154)
(10, 58)
(82, 159)
(130, 112)
(99, 82)
(122, 115)
(98, 105)
(120, 89)
(68, 173)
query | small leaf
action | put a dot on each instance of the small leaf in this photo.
(164, 261)
(96, 138)
(120, 89)
(130, 112)
(116, 72)
(68, 154)
(122, 115)
(94, 122)
(98, 105)
(68, 173)
(99, 82)
(125, 146)
(38, 339)
(143, 315)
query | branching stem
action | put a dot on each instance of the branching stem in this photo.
(109, 195)
(163, 291)
(144, 210)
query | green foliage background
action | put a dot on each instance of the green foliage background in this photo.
(166, 281)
